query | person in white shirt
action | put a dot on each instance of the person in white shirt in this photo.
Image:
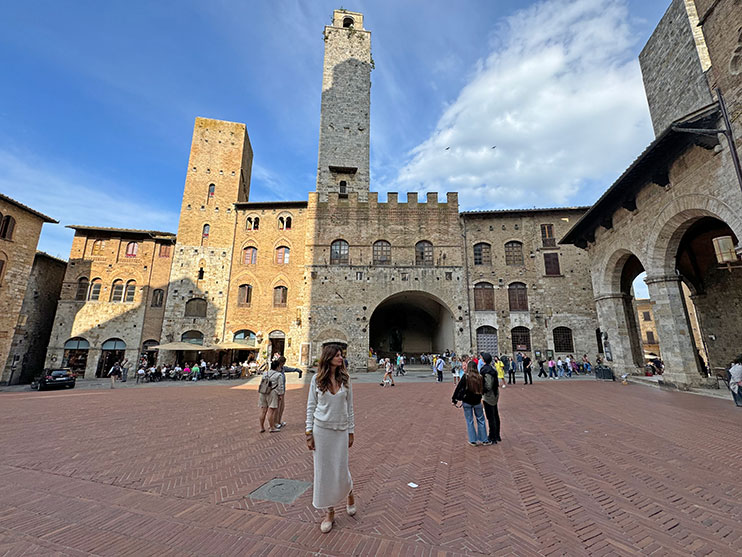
(329, 433)
(140, 374)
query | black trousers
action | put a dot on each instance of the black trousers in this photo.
(541, 372)
(527, 377)
(511, 376)
(493, 421)
(440, 376)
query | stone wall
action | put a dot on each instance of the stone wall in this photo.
(17, 254)
(673, 74)
(564, 300)
(26, 358)
(346, 104)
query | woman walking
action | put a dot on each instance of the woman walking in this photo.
(469, 391)
(490, 395)
(329, 433)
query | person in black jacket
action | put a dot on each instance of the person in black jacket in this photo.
(527, 377)
(469, 391)
(490, 395)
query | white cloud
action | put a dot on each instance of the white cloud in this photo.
(72, 197)
(561, 98)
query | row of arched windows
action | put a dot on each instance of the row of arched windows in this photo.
(132, 248)
(484, 296)
(7, 227)
(521, 339)
(196, 307)
(120, 291)
(283, 222)
(381, 253)
(250, 255)
(513, 253)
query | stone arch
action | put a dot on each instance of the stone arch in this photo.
(281, 280)
(283, 241)
(331, 335)
(673, 221)
(246, 277)
(611, 269)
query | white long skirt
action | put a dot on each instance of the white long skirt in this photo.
(332, 481)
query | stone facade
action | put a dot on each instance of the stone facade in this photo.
(107, 299)
(647, 326)
(673, 63)
(555, 278)
(26, 358)
(663, 216)
(20, 227)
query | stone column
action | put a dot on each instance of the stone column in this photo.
(622, 333)
(674, 332)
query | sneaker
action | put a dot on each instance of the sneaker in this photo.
(487, 443)
(472, 444)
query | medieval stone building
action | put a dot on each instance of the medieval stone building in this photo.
(21, 269)
(675, 213)
(412, 275)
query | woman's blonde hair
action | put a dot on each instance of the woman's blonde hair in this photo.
(473, 379)
(322, 378)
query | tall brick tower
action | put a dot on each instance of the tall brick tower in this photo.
(218, 175)
(346, 99)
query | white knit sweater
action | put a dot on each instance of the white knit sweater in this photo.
(330, 411)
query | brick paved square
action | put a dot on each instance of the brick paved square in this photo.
(585, 468)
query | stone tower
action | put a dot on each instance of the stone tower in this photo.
(343, 159)
(218, 175)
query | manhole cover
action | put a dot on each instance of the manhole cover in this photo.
(280, 490)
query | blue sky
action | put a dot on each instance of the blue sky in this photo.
(98, 101)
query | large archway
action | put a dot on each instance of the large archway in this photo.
(412, 323)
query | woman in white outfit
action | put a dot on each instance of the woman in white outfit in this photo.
(329, 431)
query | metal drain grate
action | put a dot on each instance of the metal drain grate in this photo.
(280, 490)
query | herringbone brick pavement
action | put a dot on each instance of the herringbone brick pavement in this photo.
(585, 468)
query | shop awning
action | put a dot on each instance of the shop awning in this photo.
(185, 346)
(235, 346)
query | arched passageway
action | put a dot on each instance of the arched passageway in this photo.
(412, 323)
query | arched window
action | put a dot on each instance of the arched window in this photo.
(280, 296)
(98, 247)
(281, 223)
(114, 344)
(514, 253)
(347, 22)
(343, 189)
(382, 253)
(131, 249)
(158, 297)
(244, 295)
(82, 288)
(7, 226)
(339, 253)
(484, 297)
(424, 253)
(482, 254)
(212, 191)
(282, 255)
(245, 336)
(95, 285)
(563, 340)
(205, 235)
(487, 340)
(193, 337)
(149, 345)
(131, 288)
(521, 339)
(195, 307)
(518, 297)
(288, 223)
(252, 223)
(117, 290)
(77, 343)
(250, 255)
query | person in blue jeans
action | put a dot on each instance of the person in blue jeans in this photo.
(469, 392)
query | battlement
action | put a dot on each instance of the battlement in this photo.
(392, 201)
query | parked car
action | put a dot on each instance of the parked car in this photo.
(56, 378)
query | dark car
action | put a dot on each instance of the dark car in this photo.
(56, 378)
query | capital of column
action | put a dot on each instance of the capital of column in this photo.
(611, 296)
(661, 278)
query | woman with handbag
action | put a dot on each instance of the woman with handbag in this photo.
(329, 433)
(469, 392)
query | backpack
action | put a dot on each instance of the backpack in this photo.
(266, 384)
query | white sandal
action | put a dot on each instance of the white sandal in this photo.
(326, 525)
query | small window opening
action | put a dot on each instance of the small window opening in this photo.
(200, 273)
(348, 22)
(343, 189)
